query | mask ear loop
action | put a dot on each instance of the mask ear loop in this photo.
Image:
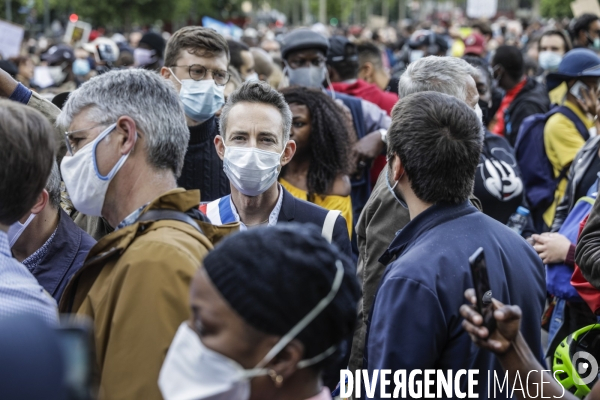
(337, 282)
(171, 71)
(329, 85)
(284, 73)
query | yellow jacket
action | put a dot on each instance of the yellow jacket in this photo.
(134, 285)
(331, 202)
(562, 141)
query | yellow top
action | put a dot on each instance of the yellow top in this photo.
(332, 202)
(562, 141)
(557, 95)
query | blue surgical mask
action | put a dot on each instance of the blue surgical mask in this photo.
(81, 67)
(310, 77)
(549, 60)
(201, 99)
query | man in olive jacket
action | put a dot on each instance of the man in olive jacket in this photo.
(134, 283)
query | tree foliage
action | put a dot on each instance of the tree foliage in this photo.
(556, 8)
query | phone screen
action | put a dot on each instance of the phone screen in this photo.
(576, 90)
(75, 342)
(483, 291)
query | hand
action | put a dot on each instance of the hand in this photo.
(508, 321)
(590, 101)
(367, 148)
(530, 240)
(551, 247)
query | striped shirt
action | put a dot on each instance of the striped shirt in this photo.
(20, 292)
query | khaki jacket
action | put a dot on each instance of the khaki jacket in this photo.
(134, 285)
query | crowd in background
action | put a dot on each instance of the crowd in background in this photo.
(246, 217)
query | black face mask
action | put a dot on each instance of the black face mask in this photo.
(485, 110)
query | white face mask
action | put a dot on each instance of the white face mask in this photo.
(143, 57)
(86, 187)
(16, 230)
(415, 55)
(250, 170)
(549, 60)
(252, 77)
(201, 99)
(192, 371)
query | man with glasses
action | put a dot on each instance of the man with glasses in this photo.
(196, 61)
(126, 143)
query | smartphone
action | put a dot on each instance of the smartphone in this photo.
(576, 90)
(76, 343)
(483, 291)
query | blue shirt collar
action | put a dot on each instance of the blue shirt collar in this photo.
(428, 219)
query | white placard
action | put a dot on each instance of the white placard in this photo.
(11, 36)
(77, 33)
(580, 7)
(481, 8)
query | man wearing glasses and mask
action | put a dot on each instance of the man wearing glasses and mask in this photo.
(196, 61)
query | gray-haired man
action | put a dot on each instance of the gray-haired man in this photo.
(127, 139)
(384, 215)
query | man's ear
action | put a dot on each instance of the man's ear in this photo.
(366, 72)
(41, 202)
(127, 131)
(398, 168)
(220, 146)
(165, 72)
(288, 152)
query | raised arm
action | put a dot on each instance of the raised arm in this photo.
(511, 349)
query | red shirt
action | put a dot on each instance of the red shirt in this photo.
(370, 92)
(508, 98)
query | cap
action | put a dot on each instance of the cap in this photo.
(272, 277)
(475, 44)
(58, 54)
(155, 42)
(303, 39)
(341, 49)
(575, 63)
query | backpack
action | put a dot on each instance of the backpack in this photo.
(558, 276)
(536, 169)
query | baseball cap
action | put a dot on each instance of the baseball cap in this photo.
(475, 44)
(341, 49)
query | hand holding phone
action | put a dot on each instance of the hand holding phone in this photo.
(586, 97)
(483, 291)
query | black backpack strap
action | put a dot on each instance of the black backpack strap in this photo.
(583, 130)
(161, 215)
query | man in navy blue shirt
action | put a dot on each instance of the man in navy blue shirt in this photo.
(433, 151)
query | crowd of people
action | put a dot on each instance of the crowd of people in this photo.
(213, 218)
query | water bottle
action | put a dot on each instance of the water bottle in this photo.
(518, 220)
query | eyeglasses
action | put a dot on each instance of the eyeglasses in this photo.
(303, 62)
(69, 133)
(198, 72)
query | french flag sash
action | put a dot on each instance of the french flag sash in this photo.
(219, 212)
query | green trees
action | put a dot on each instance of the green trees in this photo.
(556, 8)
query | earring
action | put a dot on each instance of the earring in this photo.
(277, 379)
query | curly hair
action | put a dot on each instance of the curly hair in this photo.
(330, 138)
